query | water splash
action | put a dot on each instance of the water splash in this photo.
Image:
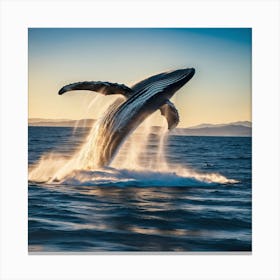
(132, 164)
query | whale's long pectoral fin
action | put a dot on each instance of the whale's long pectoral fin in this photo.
(105, 88)
(169, 111)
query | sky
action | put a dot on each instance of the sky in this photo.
(219, 92)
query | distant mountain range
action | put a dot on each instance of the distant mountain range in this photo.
(219, 130)
(240, 128)
(204, 125)
(61, 122)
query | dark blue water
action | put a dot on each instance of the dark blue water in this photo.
(152, 212)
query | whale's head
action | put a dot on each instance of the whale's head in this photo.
(156, 90)
(172, 81)
(166, 83)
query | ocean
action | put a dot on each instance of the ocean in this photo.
(143, 210)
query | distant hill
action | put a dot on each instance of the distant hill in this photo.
(241, 128)
(225, 130)
(61, 122)
(207, 125)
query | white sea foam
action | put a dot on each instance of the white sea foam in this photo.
(141, 178)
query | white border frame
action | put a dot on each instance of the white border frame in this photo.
(262, 16)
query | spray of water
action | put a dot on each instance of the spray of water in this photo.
(54, 167)
(136, 159)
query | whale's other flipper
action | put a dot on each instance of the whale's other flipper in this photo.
(105, 88)
(169, 111)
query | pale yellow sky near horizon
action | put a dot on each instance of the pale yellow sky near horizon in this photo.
(220, 91)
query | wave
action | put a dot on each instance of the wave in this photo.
(141, 178)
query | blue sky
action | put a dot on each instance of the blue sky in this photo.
(219, 92)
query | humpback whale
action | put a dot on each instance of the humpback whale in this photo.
(128, 112)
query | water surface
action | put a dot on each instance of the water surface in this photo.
(124, 210)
